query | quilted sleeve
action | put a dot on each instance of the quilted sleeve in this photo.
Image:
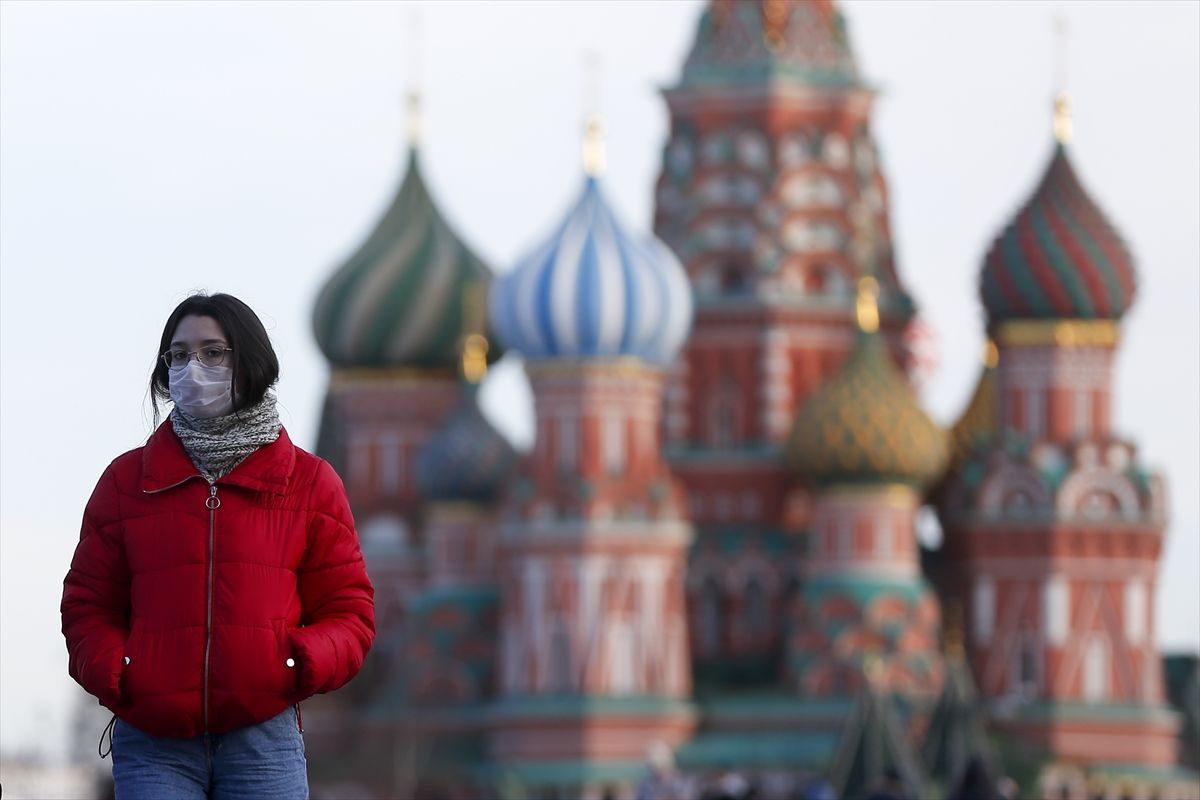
(95, 603)
(337, 598)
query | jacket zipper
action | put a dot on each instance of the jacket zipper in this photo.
(212, 503)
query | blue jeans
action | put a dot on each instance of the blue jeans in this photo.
(260, 761)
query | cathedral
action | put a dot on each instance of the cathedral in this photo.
(708, 559)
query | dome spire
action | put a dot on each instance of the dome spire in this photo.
(593, 126)
(473, 362)
(1062, 108)
(1062, 119)
(863, 250)
(414, 119)
(474, 358)
(867, 305)
(413, 95)
(593, 146)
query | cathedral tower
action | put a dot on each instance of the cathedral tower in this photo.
(866, 446)
(1052, 527)
(770, 148)
(393, 322)
(593, 537)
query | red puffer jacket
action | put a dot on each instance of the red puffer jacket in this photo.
(192, 608)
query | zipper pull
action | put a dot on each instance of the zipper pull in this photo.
(213, 502)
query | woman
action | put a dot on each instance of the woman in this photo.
(218, 579)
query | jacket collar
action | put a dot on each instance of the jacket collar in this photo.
(165, 463)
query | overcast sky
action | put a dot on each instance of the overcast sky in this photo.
(147, 150)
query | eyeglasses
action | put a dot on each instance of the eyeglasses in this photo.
(210, 356)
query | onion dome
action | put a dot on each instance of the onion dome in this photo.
(864, 425)
(465, 458)
(760, 41)
(594, 290)
(410, 293)
(1060, 258)
(980, 420)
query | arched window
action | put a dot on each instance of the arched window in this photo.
(708, 618)
(794, 150)
(384, 533)
(614, 442)
(1135, 612)
(722, 507)
(1056, 610)
(679, 156)
(836, 284)
(752, 149)
(1081, 413)
(751, 505)
(391, 463)
(722, 416)
(1018, 503)
(1096, 671)
(567, 446)
(513, 676)
(362, 452)
(864, 155)
(622, 673)
(810, 191)
(1035, 413)
(756, 610)
(560, 660)
(715, 148)
(1027, 677)
(1098, 504)
(885, 536)
(733, 279)
(835, 150)
(814, 280)
(983, 609)
(844, 538)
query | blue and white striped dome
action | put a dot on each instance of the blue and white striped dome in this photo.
(594, 290)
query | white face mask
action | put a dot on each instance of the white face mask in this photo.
(203, 392)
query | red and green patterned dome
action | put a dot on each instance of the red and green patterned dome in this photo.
(864, 426)
(1060, 258)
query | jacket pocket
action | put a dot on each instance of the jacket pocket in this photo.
(130, 656)
(285, 662)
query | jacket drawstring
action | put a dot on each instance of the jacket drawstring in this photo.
(108, 733)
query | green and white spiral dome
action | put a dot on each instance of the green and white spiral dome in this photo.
(409, 295)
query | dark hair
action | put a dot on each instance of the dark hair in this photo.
(255, 365)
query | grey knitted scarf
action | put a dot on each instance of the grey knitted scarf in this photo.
(219, 444)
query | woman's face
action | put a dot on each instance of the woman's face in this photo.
(194, 332)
